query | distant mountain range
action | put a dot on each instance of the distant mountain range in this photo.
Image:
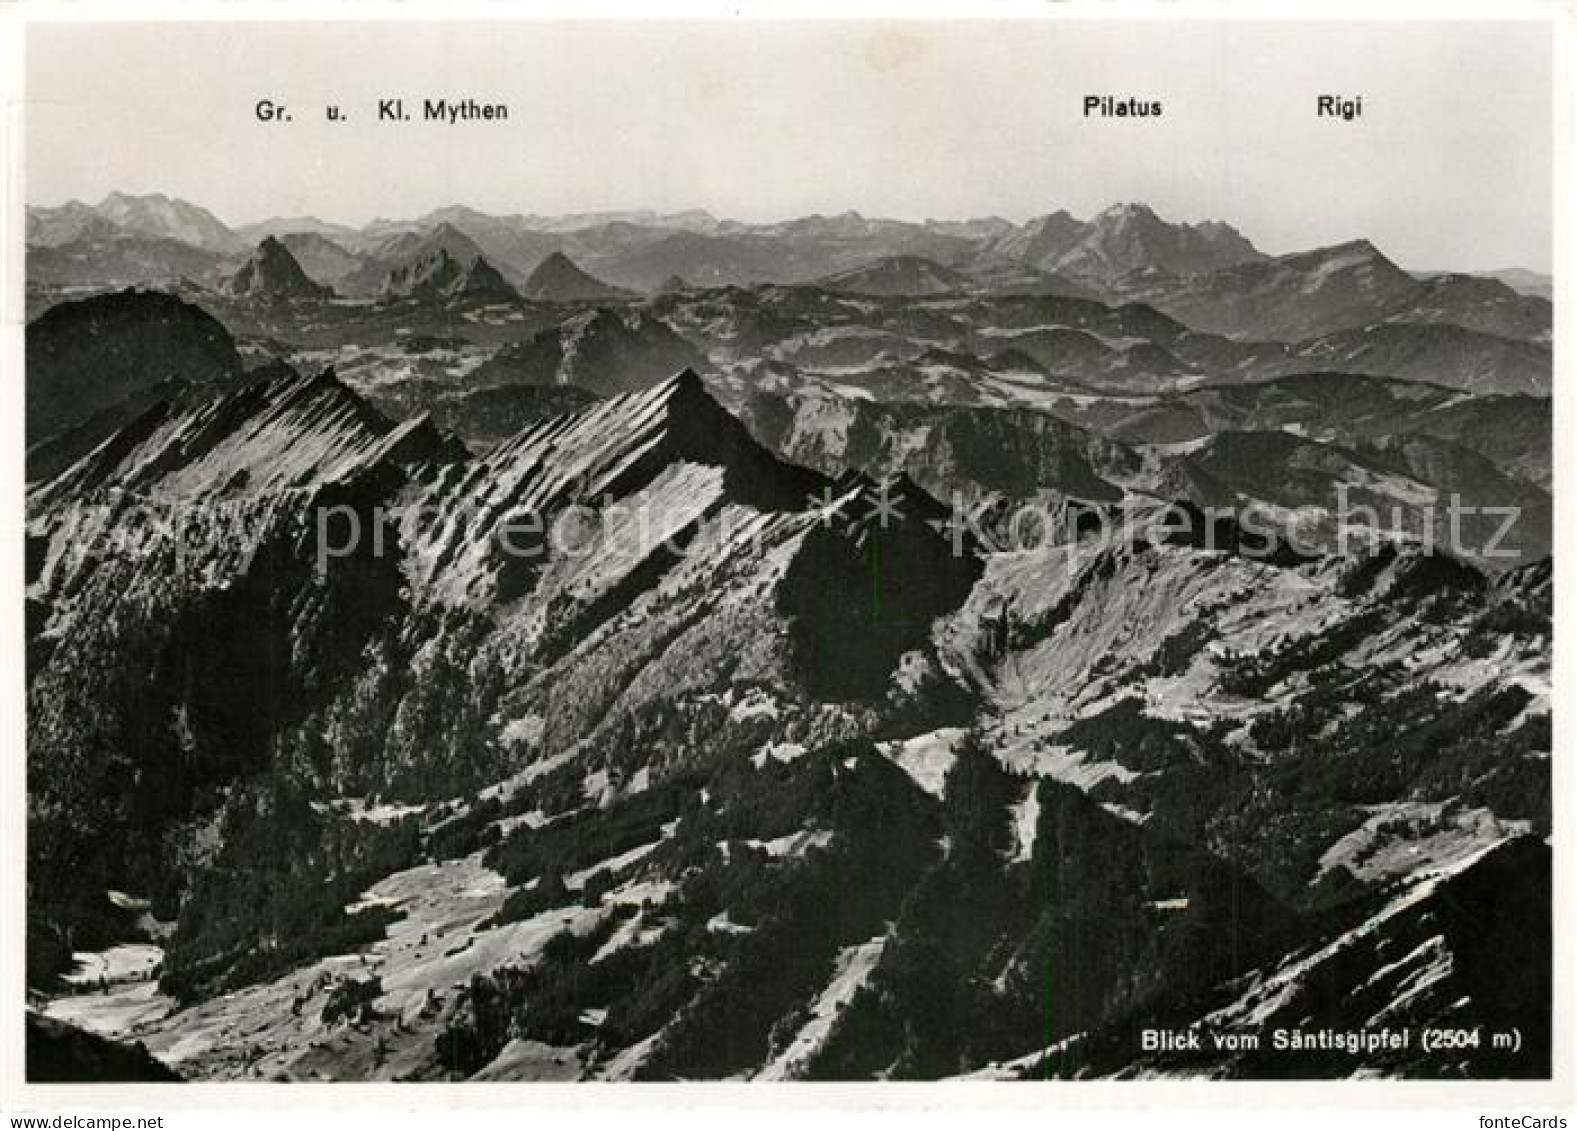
(438, 274)
(154, 216)
(273, 274)
(1005, 397)
(1519, 279)
(1123, 239)
(898, 275)
(1208, 275)
(835, 649)
(1316, 292)
(557, 279)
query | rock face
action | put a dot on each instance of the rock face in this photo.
(276, 434)
(273, 275)
(253, 471)
(389, 262)
(1127, 237)
(1123, 239)
(1423, 957)
(482, 281)
(979, 452)
(1041, 241)
(94, 364)
(557, 279)
(1207, 274)
(151, 217)
(786, 681)
(320, 257)
(402, 247)
(662, 696)
(66, 223)
(439, 275)
(166, 217)
(601, 350)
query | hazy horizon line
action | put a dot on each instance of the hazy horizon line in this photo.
(235, 226)
(613, 209)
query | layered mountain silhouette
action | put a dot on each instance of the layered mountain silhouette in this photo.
(420, 261)
(284, 226)
(67, 223)
(437, 274)
(154, 216)
(897, 275)
(488, 415)
(603, 351)
(642, 646)
(1317, 292)
(1523, 281)
(108, 257)
(557, 279)
(93, 365)
(273, 275)
(664, 735)
(1206, 274)
(405, 245)
(1123, 239)
(320, 257)
(1437, 352)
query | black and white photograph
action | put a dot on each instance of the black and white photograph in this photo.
(1012, 552)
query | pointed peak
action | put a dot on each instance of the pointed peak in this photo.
(852, 479)
(481, 273)
(279, 430)
(1350, 253)
(1128, 210)
(559, 278)
(282, 383)
(637, 436)
(687, 382)
(1350, 249)
(272, 272)
(1061, 218)
(416, 441)
(682, 396)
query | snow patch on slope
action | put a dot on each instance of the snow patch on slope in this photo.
(850, 971)
(926, 758)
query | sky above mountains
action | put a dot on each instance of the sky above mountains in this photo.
(1449, 167)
